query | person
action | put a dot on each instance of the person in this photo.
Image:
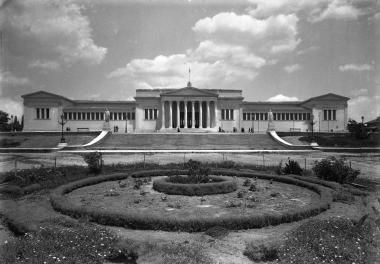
(178, 129)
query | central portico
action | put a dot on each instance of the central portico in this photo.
(188, 108)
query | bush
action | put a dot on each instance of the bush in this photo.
(292, 167)
(332, 169)
(94, 161)
(262, 252)
(215, 185)
(197, 173)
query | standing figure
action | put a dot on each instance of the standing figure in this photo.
(106, 124)
(270, 121)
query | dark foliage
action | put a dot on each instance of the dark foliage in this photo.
(94, 161)
(292, 167)
(332, 169)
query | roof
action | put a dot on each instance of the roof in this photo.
(44, 92)
(326, 95)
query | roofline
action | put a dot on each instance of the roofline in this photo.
(53, 94)
(323, 95)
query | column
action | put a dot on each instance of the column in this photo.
(208, 114)
(192, 114)
(170, 114)
(215, 114)
(178, 121)
(162, 114)
(200, 115)
(185, 102)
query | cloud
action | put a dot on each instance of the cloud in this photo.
(307, 50)
(171, 71)
(7, 79)
(58, 26)
(236, 55)
(282, 98)
(274, 34)
(363, 105)
(11, 107)
(316, 10)
(355, 67)
(292, 68)
(44, 64)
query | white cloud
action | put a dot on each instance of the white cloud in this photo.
(236, 55)
(7, 79)
(172, 72)
(59, 27)
(316, 10)
(282, 98)
(355, 67)
(292, 68)
(307, 50)
(44, 64)
(363, 105)
(11, 107)
(274, 34)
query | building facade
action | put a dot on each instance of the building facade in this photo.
(187, 109)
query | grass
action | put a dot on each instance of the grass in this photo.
(344, 140)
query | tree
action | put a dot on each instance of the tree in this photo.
(357, 129)
(4, 126)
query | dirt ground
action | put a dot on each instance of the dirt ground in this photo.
(228, 249)
(269, 197)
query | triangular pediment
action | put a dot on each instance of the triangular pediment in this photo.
(44, 95)
(326, 97)
(190, 91)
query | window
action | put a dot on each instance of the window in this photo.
(282, 116)
(324, 114)
(244, 116)
(74, 116)
(133, 115)
(38, 113)
(308, 116)
(102, 116)
(146, 114)
(329, 114)
(124, 116)
(151, 114)
(120, 118)
(261, 116)
(97, 115)
(155, 113)
(227, 114)
(42, 113)
(70, 116)
(303, 116)
(291, 116)
(252, 116)
(92, 116)
(128, 116)
(47, 113)
(334, 114)
(295, 116)
(65, 115)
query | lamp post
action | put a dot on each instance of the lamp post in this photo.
(312, 127)
(62, 121)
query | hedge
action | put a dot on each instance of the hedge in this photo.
(146, 221)
(220, 185)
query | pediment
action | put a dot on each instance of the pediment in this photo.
(190, 91)
(330, 97)
(44, 95)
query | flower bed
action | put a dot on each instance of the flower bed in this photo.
(144, 220)
(219, 184)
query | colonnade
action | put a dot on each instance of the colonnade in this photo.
(192, 110)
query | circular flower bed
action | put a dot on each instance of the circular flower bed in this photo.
(215, 185)
(192, 223)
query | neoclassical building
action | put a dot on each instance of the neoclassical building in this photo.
(188, 109)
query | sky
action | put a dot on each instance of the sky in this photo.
(273, 50)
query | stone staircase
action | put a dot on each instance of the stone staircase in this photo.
(189, 141)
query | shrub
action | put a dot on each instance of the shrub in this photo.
(247, 182)
(332, 169)
(292, 167)
(217, 232)
(218, 184)
(94, 161)
(262, 252)
(197, 173)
